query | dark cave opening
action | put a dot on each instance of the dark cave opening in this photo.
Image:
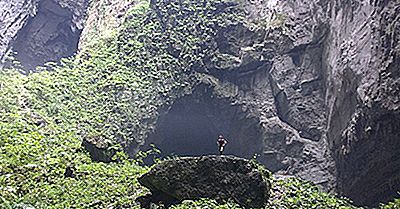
(188, 130)
(193, 123)
(47, 37)
(370, 173)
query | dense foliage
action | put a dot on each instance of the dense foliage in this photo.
(36, 150)
(395, 204)
(106, 94)
(296, 193)
(109, 95)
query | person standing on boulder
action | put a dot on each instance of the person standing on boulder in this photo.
(221, 144)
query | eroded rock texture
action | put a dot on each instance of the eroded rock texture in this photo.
(216, 177)
(263, 88)
(41, 31)
(13, 17)
(364, 98)
(104, 17)
(311, 87)
(315, 94)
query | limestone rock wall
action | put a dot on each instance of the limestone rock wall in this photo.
(296, 136)
(363, 98)
(271, 77)
(104, 17)
(318, 80)
(13, 17)
(39, 31)
(321, 85)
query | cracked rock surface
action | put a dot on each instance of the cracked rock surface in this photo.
(321, 87)
(39, 31)
(315, 94)
(217, 177)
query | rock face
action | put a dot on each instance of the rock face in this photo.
(103, 17)
(13, 18)
(40, 31)
(315, 95)
(311, 87)
(364, 98)
(217, 177)
(264, 90)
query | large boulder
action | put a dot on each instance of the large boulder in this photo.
(216, 177)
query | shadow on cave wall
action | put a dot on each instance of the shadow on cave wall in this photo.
(370, 173)
(192, 124)
(49, 36)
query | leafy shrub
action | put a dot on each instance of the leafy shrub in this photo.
(395, 204)
(205, 204)
(296, 193)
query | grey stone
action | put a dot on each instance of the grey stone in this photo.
(216, 177)
(40, 31)
(323, 85)
(314, 92)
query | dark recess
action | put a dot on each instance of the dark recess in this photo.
(48, 36)
(369, 174)
(193, 123)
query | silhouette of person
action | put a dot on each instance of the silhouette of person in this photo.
(221, 142)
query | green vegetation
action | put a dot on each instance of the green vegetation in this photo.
(286, 193)
(395, 204)
(110, 94)
(296, 193)
(35, 151)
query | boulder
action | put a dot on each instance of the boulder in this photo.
(216, 177)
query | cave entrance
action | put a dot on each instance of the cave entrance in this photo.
(193, 123)
(370, 173)
(49, 36)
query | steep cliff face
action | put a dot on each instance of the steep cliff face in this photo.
(310, 87)
(262, 86)
(318, 87)
(40, 31)
(103, 18)
(13, 19)
(363, 57)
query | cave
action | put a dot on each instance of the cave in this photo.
(47, 37)
(191, 126)
(370, 173)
